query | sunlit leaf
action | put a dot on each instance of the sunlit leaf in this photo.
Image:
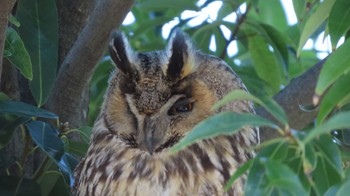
(299, 8)
(269, 104)
(23, 109)
(335, 66)
(225, 123)
(39, 32)
(314, 22)
(19, 55)
(339, 20)
(338, 121)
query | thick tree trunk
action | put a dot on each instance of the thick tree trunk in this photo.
(77, 68)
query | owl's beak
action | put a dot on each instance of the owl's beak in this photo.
(149, 140)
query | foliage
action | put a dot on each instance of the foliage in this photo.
(269, 55)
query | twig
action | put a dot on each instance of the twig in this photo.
(234, 33)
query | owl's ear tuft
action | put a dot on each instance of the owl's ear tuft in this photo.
(180, 53)
(121, 52)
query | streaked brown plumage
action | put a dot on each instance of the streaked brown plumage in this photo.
(153, 100)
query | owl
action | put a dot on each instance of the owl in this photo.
(153, 100)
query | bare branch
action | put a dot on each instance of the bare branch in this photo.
(5, 10)
(77, 69)
(299, 92)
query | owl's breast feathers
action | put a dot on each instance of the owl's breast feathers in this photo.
(112, 167)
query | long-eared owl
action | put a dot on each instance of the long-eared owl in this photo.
(153, 100)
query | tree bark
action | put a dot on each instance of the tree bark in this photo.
(73, 16)
(77, 68)
(299, 92)
(5, 10)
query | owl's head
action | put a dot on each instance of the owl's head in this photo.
(156, 98)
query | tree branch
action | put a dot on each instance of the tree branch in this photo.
(77, 69)
(73, 16)
(5, 10)
(299, 92)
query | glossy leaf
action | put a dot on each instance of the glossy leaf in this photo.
(269, 104)
(264, 61)
(338, 93)
(334, 67)
(19, 56)
(338, 121)
(225, 123)
(25, 110)
(46, 137)
(339, 20)
(39, 32)
(314, 22)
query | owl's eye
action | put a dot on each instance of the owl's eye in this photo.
(181, 106)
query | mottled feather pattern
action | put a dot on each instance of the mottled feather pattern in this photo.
(154, 99)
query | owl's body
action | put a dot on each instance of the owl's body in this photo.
(154, 100)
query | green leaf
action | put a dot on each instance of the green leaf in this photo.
(324, 176)
(299, 8)
(330, 152)
(39, 32)
(25, 110)
(10, 185)
(265, 62)
(314, 22)
(225, 123)
(19, 55)
(269, 104)
(278, 41)
(335, 66)
(7, 130)
(203, 35)
(77, 148)
(239, 172)
(339, 20)
(276, 18)
(152, 5)
(338, 93)
(344, 190)
(338, 121)
(13, 20)
(46, 137)
(283, 179)
(257, 182)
